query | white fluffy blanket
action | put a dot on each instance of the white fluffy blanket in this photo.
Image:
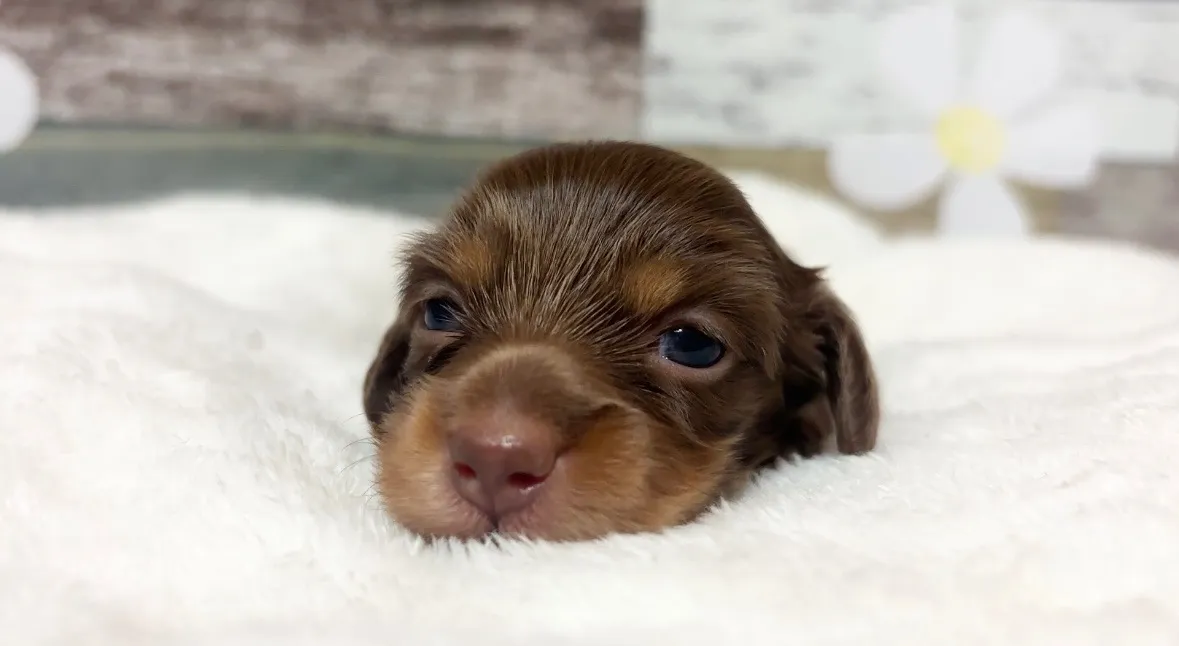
(179, 416)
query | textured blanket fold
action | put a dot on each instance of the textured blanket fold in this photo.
(183, 459)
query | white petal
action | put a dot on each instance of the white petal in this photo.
(885, 171)
(981, 205)
(18, 101)
(919, 55)
(1018, 63)
(1058, 147)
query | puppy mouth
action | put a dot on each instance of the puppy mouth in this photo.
(515, 523)
(472, 523)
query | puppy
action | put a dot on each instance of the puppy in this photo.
(603, 337)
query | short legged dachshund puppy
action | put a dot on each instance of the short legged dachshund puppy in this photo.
(603, 337)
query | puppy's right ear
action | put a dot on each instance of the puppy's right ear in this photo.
(385, 379)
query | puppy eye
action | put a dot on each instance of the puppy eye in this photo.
(690, 347)
(440, 315)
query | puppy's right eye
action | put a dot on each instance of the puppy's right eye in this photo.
(440, 315)
(690, 348)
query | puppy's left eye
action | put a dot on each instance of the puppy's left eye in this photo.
(440, 315)
(690, 348)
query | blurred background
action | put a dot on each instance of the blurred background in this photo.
(396, 103)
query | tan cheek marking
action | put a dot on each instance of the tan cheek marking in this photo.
(611, 466)
(411, 475)
(654, 285)
(690, 482)
(621, 481)
(607, 478)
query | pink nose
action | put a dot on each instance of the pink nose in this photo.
(501, 463)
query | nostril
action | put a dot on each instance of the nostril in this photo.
(521, 480)
(464, 471)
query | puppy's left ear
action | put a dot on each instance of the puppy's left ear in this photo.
(847, 405)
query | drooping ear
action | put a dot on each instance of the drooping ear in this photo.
(385, 379)
(828, 385)
(846, 404)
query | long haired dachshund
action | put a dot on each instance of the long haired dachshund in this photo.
(603, 337)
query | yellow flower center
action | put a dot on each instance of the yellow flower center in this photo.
(972, 140)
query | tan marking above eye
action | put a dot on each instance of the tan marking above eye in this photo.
(654, 285)
(470, 261)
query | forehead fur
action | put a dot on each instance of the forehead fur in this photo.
(576, 236)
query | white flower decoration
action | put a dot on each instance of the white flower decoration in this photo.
(18, 101)
(990, 127)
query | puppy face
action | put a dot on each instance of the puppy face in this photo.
(603, 338)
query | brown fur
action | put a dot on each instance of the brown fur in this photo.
(567, 262)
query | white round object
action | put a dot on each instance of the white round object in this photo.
(18, 101)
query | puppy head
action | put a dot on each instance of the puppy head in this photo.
(604, 338)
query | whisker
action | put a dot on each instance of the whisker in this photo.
(366, 440)
(371, 495)
(352, 417)
(356, 462)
